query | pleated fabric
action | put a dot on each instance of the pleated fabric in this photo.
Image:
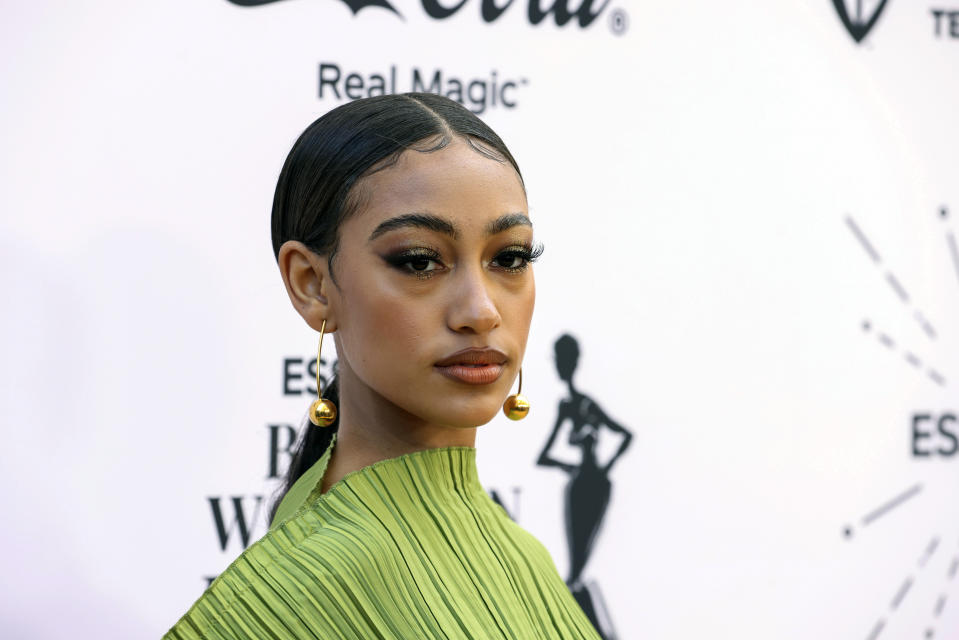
(411, 547)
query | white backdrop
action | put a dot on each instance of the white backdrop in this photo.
(750, 224)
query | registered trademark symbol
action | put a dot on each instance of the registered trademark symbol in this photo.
(618, 21)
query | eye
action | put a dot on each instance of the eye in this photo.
(518, 258)
(510, 261)
(421, 264)
(418, 261)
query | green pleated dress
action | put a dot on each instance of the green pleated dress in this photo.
(410, 547)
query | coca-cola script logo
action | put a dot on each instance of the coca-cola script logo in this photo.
(585, 14)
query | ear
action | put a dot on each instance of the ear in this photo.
(308, 283)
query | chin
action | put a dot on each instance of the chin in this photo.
(467, 417)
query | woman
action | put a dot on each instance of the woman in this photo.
(400, 226)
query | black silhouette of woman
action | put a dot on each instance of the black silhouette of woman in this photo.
(588, 490)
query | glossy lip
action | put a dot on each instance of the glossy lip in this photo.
(473, 365)
(473, 356)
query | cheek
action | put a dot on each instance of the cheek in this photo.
(383, 328)
(516, 309)
(532, 294)
(529, 303)
(522, 303)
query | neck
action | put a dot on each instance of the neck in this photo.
(371, 429)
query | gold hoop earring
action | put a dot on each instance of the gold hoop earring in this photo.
(322, 412)
(516, 406)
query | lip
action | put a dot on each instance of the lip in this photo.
(473, 356)
(473, 365)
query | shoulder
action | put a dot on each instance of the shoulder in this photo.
(285, 582)
(521, 543)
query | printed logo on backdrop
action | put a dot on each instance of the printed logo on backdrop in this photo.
(859, 16)
(585, 14)
(239, 519)
(932, 433)
(588, 488)
(946, 23)
(477, 94)
(354, 5)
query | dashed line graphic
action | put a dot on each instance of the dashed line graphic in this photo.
(930, 549)
(891, 504)
(909, 590)
(943, 596)
(951, 241)
(909, 356)
(863, 240)
(921, 319)
(886, 507)
(940, 604)
(895, 283)
(876, 629)
(897, 287)
(904, 589)
(901, 594)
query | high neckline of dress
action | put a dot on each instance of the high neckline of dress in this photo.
(451, 469)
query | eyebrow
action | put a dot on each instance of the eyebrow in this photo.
(507, 221)
(442, 225)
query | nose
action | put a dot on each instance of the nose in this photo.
(472, 307)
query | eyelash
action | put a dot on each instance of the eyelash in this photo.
(527, 253)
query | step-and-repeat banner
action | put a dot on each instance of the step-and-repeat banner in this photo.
(744, 351)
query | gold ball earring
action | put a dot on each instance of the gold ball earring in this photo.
(516, 406)
(322, 412)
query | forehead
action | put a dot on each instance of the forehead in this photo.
(455, 182)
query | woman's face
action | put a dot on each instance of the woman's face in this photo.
(433, 264)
